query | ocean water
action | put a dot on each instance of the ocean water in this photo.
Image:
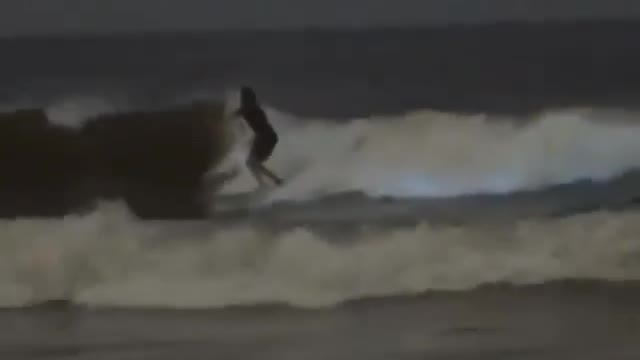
(460, 193)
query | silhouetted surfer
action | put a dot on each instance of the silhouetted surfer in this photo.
(265, 138)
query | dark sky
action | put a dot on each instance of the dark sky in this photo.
(52, 16)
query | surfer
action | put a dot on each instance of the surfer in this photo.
(265, 137)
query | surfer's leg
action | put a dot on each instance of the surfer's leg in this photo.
(260, 152)
(259, 171)
(270, 174)
(255, 171)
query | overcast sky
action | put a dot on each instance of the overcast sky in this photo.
(53, 16)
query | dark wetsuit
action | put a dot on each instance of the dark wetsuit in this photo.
(265, 139)
(265, 136)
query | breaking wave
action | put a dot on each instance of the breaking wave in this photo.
(418, 154)
(432, 154)
(108, 258)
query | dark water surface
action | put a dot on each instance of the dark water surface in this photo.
(497, 68)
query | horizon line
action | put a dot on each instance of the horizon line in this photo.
(320, 28)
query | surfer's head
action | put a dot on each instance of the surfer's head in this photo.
(248, 97)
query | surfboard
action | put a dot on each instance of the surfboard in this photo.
(242, 201)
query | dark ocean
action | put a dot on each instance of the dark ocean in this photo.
(462, 192)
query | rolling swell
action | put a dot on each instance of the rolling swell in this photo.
(153, 160)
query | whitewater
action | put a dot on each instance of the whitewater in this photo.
(108, 257)
(427, 153)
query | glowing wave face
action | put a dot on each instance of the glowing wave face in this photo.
(433, 154)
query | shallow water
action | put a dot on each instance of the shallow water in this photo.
(553, 321)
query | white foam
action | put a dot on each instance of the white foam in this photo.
(109, 258)
(432, 154)
(75, 111)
